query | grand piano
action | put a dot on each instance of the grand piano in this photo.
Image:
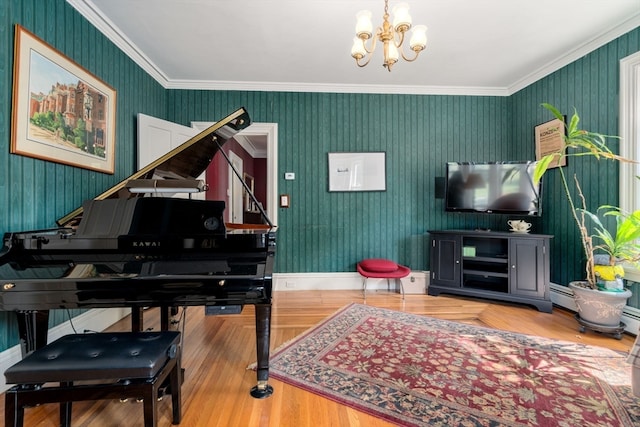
(126, 248)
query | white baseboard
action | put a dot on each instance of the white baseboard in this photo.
(334, 281)
(92, 320)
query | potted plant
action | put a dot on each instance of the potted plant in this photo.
(616, 248)
(600, 296)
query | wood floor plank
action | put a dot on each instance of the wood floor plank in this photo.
(218, 349)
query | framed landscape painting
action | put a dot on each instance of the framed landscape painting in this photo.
(61, 112)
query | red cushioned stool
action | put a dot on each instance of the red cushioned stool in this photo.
(378, 268)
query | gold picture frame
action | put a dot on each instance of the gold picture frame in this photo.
(61, 112)
(549, 137)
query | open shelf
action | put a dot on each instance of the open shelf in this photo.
(484, 266)
(503, 260)
(487, 283)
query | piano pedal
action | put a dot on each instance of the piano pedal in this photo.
(124, 400)
(214, 310)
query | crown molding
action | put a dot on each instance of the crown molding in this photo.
(334, 88)
(92, 13)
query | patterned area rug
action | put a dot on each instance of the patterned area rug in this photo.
(418, 371)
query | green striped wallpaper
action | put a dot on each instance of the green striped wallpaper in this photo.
(34, 193)
(325, 231)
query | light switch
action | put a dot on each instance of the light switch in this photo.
(284, 200)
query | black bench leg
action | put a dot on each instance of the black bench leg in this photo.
(150, 402)
(13, 413)
(176, 394)
(65, 409)
(65, 414)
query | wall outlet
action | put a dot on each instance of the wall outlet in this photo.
(289, 285)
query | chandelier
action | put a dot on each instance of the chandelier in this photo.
(391, 37)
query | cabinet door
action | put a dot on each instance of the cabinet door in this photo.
(445, 260)
(527, 268)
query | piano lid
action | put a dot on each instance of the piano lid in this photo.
(186, 161)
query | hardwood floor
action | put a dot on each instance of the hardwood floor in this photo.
(218, 349)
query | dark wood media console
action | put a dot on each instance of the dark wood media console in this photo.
(491, 264)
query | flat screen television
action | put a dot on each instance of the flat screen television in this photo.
(492, 187)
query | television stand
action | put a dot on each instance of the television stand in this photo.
(497, 265)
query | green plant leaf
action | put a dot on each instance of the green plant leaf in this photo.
(558, 115)
(541, 167)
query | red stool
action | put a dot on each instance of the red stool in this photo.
(378, 268)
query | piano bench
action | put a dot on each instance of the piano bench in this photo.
(97, 366)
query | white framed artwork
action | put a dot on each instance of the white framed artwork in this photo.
(357, 171)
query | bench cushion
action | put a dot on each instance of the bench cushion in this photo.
(97, 356)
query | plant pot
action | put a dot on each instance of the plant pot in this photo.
(599, 307)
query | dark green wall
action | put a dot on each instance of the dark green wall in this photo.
(324, 231)
(34, 193)
(590, 85)
(321, 231)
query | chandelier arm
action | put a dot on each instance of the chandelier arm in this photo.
(398, 43)
(373, 44)
(365, 63)
(417, 53)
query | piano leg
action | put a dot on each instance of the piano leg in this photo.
(33, 327)
(137, 319)
(167, 315)
(263, 333)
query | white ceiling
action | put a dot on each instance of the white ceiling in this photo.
(488, 47)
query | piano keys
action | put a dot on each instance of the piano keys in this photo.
(123, 249)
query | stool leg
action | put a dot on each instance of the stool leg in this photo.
(364, 287)
(176, 394)
(13, 411)
(65, 414)
(65, 409)
(150, 400)
(401, 287)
